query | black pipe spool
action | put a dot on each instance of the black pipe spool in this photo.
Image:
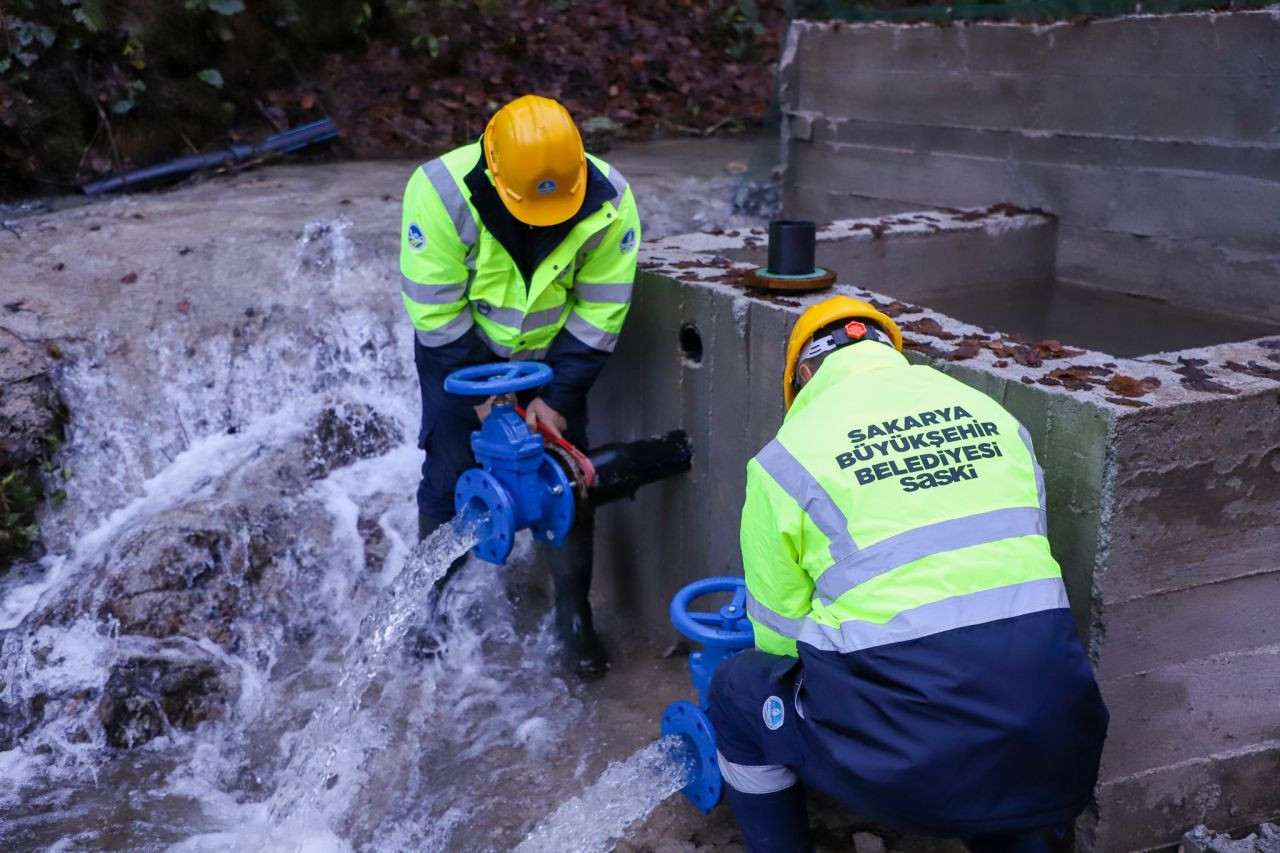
(623, 467)
(791, 247)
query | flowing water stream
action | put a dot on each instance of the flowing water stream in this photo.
(215, 653)
(627, 791)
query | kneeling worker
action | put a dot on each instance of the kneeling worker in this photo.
(915, 655)
(517, 246)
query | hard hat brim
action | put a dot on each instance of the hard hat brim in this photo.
(822, 314)
(548, 211)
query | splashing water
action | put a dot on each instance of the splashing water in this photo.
(286, 580)
(382, 631)
(626, 792)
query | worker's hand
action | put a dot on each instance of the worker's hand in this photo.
(539, 412)
(482, 410)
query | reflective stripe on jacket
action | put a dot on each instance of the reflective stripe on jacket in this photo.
(895, 503)
(893, 539)
(456, 276)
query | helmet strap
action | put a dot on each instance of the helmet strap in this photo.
(851, 333)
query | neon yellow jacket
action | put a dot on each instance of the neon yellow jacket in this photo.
(456, 276)
(895, 503)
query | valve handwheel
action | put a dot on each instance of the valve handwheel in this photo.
(727, 628)
(484, 380)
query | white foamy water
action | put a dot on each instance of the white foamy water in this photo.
(333, 734)
(323, 746)
(626, 792)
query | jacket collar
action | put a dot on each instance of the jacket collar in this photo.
(529, 246)
(844, 363)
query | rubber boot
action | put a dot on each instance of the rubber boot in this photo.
(571, 571)
(430, 639)
(777, 822)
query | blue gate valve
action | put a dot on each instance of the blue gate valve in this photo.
(518, 484)
(722, 634)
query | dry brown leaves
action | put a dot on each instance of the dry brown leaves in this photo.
(927, 326)
(1195, 377)
(1254, 368)
(645, 66)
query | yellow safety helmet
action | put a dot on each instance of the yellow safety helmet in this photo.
(535, 154)
(823, 314)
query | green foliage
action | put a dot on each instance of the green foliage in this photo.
(91, 86)
(22, 493)
(742, 18)
(220, 7)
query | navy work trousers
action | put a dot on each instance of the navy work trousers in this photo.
(756, 708)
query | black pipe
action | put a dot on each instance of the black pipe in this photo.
(623, 467)
(290, 140)
(791, 247)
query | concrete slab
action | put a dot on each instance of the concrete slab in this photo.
(1137, 486)
(1227, 700)
(1154, 140)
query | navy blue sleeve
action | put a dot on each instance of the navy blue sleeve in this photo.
(576, 366)
(435, 363)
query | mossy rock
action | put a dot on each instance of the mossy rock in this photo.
(32, 417)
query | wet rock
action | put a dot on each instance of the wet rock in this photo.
(195, 574)
(1204, 840)
(31, 420)
(345, 434)
(599, 133)
(868, 842)
(147, 697)
(17, 720)
(376, 544)
(760, 199)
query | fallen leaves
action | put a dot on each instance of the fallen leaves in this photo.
(1197, 379)
(927, 326)
(1254, 368)
(1127, 386)
(1079, 377)
(967, 348)
(894, 308)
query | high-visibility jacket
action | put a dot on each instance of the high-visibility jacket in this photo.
(893, 537)
(457, 276)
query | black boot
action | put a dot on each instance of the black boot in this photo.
(777, 822)
(571, 570)
(431, 639)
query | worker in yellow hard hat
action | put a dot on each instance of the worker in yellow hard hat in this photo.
(519, 245)
(916, 658)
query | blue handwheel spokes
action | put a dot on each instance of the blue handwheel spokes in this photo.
(735, 610)
(503, 377)
(726, 628)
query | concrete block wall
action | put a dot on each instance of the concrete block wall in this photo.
(1164, 510)
(1155, 140)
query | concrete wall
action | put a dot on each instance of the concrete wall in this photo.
(1164, 510)
(1154, 140)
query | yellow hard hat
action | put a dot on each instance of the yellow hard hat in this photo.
(823, 314)
(535, 154)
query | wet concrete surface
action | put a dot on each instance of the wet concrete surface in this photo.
(647, 675)
(682, 184)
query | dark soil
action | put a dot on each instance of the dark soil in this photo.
(88, 88)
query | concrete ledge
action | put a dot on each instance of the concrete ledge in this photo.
(1228, 789)
(1132, 506)
(1155, 140)
(1229, 699)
